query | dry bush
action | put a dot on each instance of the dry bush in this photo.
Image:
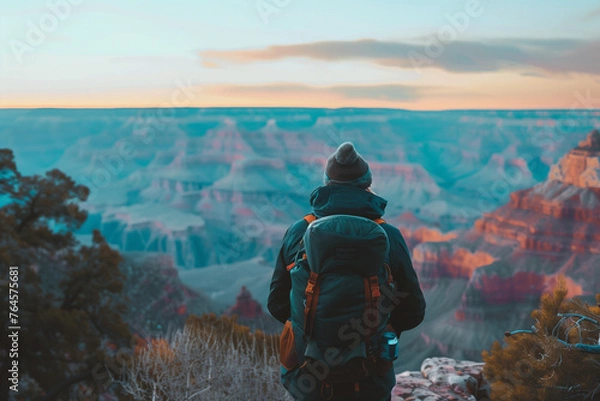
(545, 364)
(212, 358)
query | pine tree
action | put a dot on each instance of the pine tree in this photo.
(546, 364)
(70, 307)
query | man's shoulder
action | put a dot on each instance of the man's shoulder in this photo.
(391, 229)
(294, 234)
(395, 235)
(297, 228)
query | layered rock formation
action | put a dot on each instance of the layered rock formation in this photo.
(559, 215)
(239, 168)
(439, 259)
(155, 228)
(515, 253)
(410, 182)
(581, 166)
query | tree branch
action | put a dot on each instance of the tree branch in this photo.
(31, 216)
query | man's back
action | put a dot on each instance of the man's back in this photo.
(338, 199)
(347, 193)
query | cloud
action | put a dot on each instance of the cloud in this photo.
(549, 55)
(380, 92)
(209, 64)
(384, 92)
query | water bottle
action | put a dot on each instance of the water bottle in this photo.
(389, 349)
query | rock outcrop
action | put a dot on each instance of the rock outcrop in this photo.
(416, 231)
(443, 379)
(515, 253)
(440, 260)
(245, 306)
(249, 312)
(156, 228)
(581, 166)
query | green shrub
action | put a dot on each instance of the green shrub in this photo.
(545, 365)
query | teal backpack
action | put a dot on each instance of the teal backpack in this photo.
(336, 336)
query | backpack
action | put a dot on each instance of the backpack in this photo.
(336, 330)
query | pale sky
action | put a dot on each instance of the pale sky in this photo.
(337, 53)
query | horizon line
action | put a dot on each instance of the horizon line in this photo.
(289, 107)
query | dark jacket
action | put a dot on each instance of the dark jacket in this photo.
(341, 199)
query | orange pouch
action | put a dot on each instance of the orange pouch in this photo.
(287, 348)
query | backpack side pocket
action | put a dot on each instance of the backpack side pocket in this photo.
(288, 356)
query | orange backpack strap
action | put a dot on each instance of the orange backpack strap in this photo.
(312, 298)
(389, 272)
(310, 218)
(375, 292)
(291, 265)
(372, 295)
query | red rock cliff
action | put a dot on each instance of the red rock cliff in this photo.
(515, 253)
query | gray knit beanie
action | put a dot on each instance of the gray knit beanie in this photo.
(347, 167)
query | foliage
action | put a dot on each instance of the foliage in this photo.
(69, 295)
(212, 358)
(538, 366)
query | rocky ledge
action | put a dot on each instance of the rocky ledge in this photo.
(443, 379)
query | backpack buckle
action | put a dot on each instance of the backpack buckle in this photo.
(375, 291)
(327, 391)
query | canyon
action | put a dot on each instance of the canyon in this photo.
(516, 253)
(494, 204)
